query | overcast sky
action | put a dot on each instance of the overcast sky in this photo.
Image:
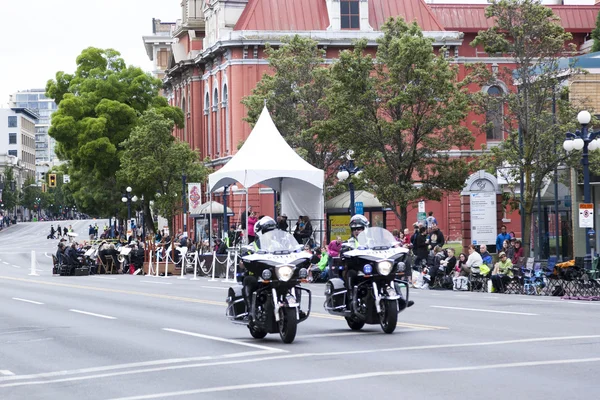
(41, 37)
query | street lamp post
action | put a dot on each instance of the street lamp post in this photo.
(347, 171)
(584, 140)
(127, 198)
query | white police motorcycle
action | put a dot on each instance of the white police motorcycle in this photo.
(376, 294)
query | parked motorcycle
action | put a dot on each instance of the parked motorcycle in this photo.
(377, 294)
(275, 307)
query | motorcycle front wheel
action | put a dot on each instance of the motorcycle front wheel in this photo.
(389, 315)
(354, 324)
(287, 324)
(256, 332)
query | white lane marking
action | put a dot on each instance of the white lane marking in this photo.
(585, 302)
(6, 372)
(218, 339)
(102, 277)
(16, 266)
(92, 314)
(4, 262)
(157, 283)
(134, 365)
(27, 301)
(483, 310)
(375, 374)
(266, 358)
(213, 287)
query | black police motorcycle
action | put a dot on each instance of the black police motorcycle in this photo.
(376, 295)
(275, 306)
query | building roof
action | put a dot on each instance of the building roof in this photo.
(471, 17)
(312, 15)
(381, 10)
(30, 113)
(284, 15)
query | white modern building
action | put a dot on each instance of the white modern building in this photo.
(17, 142)
(36, 101)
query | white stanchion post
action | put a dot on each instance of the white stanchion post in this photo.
(213, 267)
(157, 264)
(150, 268)
(195, 278)
(166, 266)
(183, 266)
(235, 264)
(33, 263)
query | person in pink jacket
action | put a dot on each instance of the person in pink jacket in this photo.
(333, 250)
(252, 220)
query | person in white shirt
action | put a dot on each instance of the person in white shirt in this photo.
(474, 261)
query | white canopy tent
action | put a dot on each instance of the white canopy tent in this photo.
(267, 159)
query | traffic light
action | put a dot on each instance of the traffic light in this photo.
(52, 181)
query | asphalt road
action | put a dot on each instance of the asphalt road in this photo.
(140, 337)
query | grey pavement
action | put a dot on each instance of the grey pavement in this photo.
(141, 337)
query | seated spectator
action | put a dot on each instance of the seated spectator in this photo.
(502, 273)
(486, 257)
(474, 260)
(449, 262)
(519, 252)
(220, 247)
(433, 268)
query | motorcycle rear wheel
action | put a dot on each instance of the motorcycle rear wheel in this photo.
(288, 324)
(256, 332)
(389, 315)
(355, 324)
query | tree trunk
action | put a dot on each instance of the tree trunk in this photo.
(148, 219)
(403, 217)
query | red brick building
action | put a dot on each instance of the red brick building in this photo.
(218, 58)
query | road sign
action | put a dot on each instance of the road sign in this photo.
(358, 207)
(421, 216)
(422, 207)
(586, 215)
(66, 179)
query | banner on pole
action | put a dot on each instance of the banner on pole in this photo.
(194, 196)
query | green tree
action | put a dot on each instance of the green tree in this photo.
(401, 113)
(98, 106)
(10, 197)
(153, 162)
(295, 93)
(596, 35)
(533, 37)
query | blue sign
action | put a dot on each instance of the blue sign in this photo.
(358, 207)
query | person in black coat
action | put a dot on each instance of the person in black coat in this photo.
(420, 247)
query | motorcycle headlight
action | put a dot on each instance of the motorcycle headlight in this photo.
(401, 266)
(285, 272)
(385, 267)
(303, 273)
(266, 274)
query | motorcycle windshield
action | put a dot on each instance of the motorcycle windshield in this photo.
(376, 237)
(277, 241)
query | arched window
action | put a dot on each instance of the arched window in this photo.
(495, 114)
(185, 113)
(217, 120)
(208, 130)
(226, 113)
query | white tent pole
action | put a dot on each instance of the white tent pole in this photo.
(210, 220)
(245, 180)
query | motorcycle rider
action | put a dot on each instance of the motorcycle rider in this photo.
(358, 223)
(264, 225)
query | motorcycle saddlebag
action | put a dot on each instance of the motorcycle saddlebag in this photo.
(236, 307)
(335, 292)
